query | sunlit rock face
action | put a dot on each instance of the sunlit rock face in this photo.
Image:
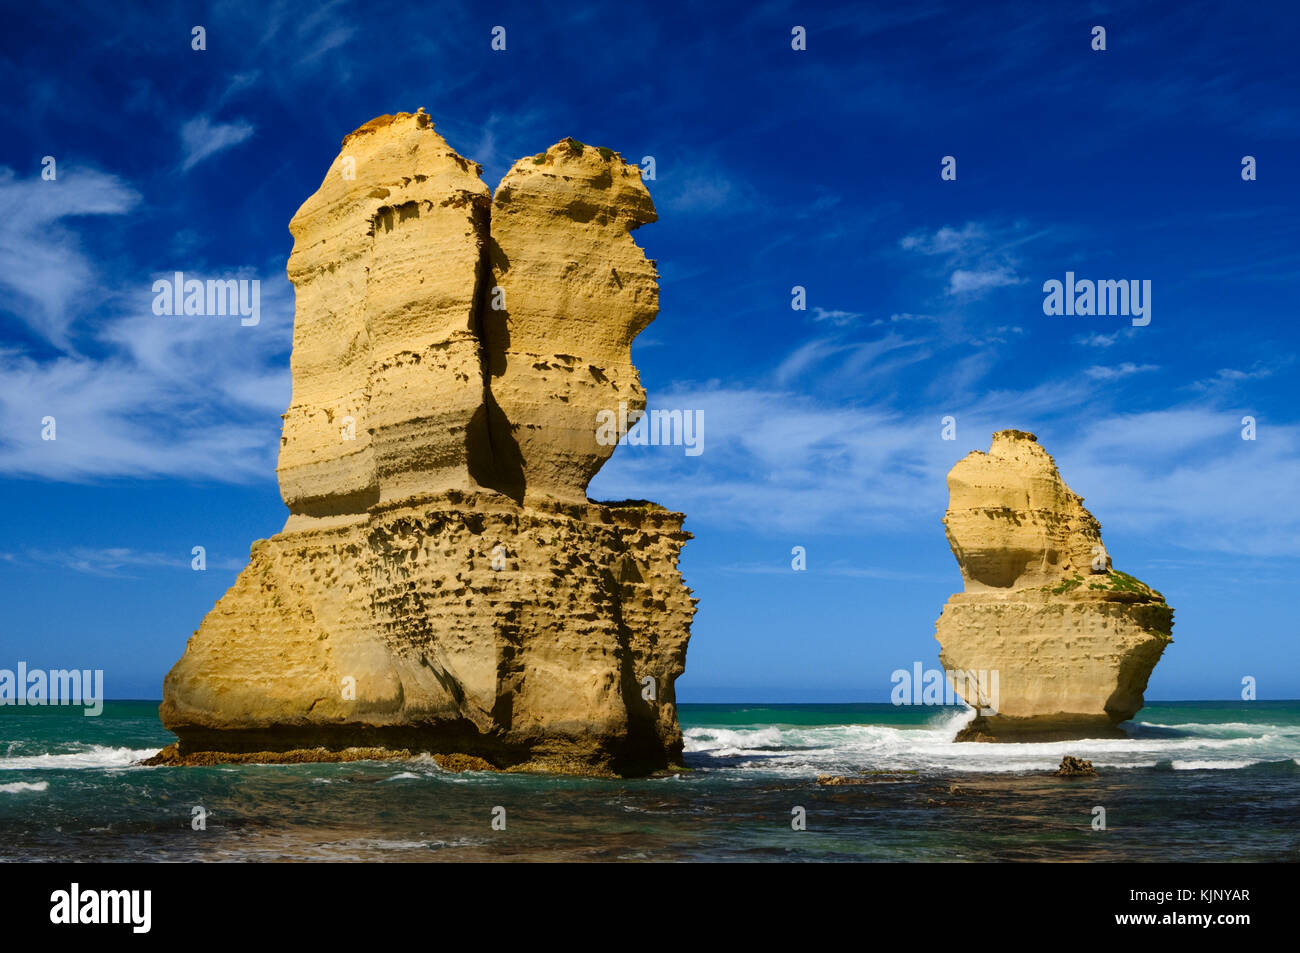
(1069, 641)
(442, 583)
(574, 290)
(386, 268)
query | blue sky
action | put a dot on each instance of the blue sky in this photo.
(774, 168)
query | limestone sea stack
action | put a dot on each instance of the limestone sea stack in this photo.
(1048, 641)
(442, 583)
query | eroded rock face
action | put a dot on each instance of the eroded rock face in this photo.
(574, 290)
(1072, 641)
(443, 584)
(387, 373)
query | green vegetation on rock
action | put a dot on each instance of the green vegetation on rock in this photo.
(1065, 585)
(632, 505)
(1116, 581)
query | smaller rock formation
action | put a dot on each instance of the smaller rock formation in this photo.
(1048, 641)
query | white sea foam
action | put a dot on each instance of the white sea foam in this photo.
(1242, 727)
(17, 787)
(798, 749)
(91, 756)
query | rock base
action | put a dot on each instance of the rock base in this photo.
(539, 638)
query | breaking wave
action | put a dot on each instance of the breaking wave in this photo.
(931, 748)
(91, 756)
(17, 787)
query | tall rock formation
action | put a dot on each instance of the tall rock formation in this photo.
(1047, 641)
(442, 583)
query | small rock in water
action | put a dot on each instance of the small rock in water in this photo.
(1075, 768)
(837, 779)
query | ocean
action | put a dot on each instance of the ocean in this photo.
(1193, 781)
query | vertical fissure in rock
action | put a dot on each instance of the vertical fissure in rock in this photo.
(482, 456)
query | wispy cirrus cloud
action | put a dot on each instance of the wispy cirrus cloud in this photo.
(904, 317)
(194, 397)
(964, 281)
(1100, 372)
(779, 459)
(1097, 339)
(1226, 378)
(977, 258)
(853, 357)
(116, 562)
(42, 262)
(201, 139)
(947, 240)
(701, 188)
(835, 315)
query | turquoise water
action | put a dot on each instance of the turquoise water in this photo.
(1192, 781)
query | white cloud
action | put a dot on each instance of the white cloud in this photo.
(1227, 377)
(116, 561)
(41, 260)
(947, 240)
(856, 356)
(700, 187)
(904, 317)
(1186, 474)
(977, 257)
(962, 281)
(1101, 373)
(835, 316)
(201, 138)
(805, 356)
(189, 397)
(777, 462)
(700, 193)
(239, 83)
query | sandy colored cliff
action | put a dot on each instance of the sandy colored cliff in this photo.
(443, 584)
(1072, 640)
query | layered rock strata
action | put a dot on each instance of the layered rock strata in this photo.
(1048, 641)
(443, 584)
(386, 360)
